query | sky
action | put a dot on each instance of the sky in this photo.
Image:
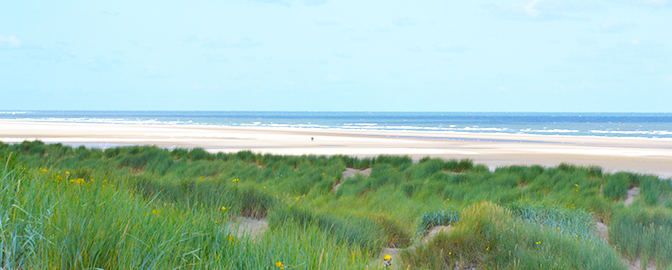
(327, 55)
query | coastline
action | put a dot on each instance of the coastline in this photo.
(641, 155)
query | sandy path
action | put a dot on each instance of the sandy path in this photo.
(627, 154)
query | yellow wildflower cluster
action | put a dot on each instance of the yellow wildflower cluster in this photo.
(280, 265)
(576, 187)
(78, 181)
(235, 180)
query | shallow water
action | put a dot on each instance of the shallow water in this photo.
(646, 125)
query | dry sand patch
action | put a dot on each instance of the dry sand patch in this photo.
(349, 173)
(632, 193)
(243, 226)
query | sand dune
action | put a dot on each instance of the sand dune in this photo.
(622, 154)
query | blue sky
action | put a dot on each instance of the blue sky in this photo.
(326, 55)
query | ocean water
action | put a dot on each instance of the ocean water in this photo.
(646, 125)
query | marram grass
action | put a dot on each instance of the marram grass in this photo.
(149, 208)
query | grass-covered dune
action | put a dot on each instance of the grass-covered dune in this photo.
(148, 208)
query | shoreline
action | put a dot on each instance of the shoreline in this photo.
(352, 127)
(635, 154)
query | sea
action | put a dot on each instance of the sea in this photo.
(644, 125)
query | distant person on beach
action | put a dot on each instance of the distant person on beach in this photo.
(311, 139)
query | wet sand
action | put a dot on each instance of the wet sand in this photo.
(642, 155)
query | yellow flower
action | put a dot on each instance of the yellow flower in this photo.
(558, 228)
(223, 208)
(387, 257)
(279, 264)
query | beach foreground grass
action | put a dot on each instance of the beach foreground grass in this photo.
(150, 208)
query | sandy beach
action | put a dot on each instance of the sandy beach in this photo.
(644, 155)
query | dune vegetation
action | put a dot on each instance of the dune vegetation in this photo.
(142, 207)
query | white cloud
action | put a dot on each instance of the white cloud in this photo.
(9, 42)
(404, 21)
(612, 25)
(530, 9)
